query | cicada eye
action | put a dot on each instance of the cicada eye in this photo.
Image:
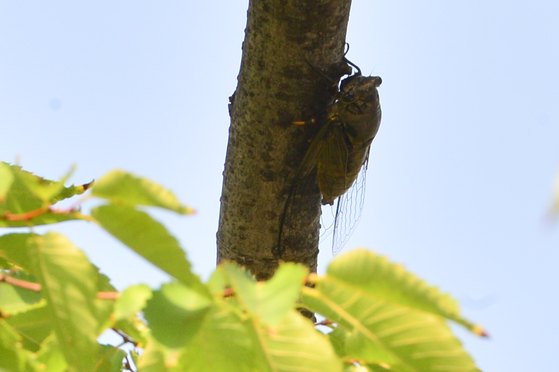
(354, 108)
(348, 97)
(378, 80)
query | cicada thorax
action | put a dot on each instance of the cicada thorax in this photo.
(352, 122)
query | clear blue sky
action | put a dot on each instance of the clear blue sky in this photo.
(461, 173)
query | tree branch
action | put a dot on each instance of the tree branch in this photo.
(286, 42)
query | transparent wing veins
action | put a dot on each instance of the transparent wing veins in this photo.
(348, 210)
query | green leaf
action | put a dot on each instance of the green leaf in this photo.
(53, 191)
(26, 199)
(270, 300)
(12, 356)
(51, 357)
(363, 270)
(27, 251)
(175, 314)
(295, 345)
(6, 179)
(33, 325)
(387, 316)
(14, 299)
(225, 330)
(153, 359)
(131, 301)
(282, 339)
(252, 336)
(110, 359)
(10, 342)
(127, 309)
(225, 339)
(147, 237)
(121, 187)
(190, 333)
(217, 282)
(13, 248)
(69, 283)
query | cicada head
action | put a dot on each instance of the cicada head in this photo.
(358, 107)
(359, 85)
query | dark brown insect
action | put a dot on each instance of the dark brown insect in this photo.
(341, 147)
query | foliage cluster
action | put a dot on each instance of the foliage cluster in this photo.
(55, 304)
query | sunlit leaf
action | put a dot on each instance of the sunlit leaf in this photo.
(295, 344)
(152, 358)
(110, 359)
(248, 333)
(243, 343)
(248, 345)
(33, 325)
(131, 301)
(12, 355)
(270, 300)
(13, 248)
(362, 270)
(121, 187)
(26, 199)
(147, 237)
(69, 283)
(126, 312)
(51, 357)
(217, 282)
(52, 191)
(175, 314)
(387, 316)
(222, 329)
(6, 179)
(14, 299)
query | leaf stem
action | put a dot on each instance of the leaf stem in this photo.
(36, 287)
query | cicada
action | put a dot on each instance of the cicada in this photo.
(340, 150)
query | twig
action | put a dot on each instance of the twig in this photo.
(127, 365)
(29, 215)
(36, 287)
(30, 286)
(125, 338)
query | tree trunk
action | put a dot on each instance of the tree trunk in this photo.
(287, 45)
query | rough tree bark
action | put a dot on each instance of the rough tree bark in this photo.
(277, 85)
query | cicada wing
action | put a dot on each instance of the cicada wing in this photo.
(348, 211)
(333, 165)
(336, 152)
(313, 152)
(304, 179)
(333, 160)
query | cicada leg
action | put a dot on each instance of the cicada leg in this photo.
(302, 123)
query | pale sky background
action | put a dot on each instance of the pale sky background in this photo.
(461, 171)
